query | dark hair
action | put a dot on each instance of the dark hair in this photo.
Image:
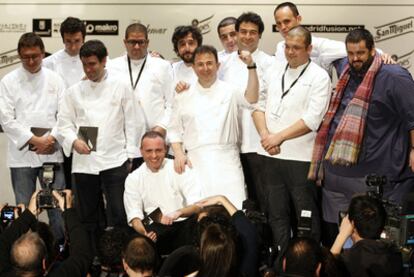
(250, 17)
(110, 247)
(72, 25)
(205, 49)
(368, 216)
(29, 260)
(291, 6)
(358, 35)
(152, 134)
(217, 252)
(140, 254)
(30, 40)
(93, 48)
(136, 28)
(226, 22)
(302, 32)
(182, 31)
(302, 257)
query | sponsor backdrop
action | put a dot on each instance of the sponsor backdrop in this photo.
(391, 24)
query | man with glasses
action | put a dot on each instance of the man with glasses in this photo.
(29, 97)
(148, 77)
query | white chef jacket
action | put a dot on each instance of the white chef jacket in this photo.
(182, 72)
(153, 90)
(308, 100)
(324, 51)
(205, 121)
(234, 71)
(108, 105)
(29, 100)
(68, 67)
(146, 191)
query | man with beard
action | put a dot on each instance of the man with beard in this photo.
(185, 40)
(368, 129)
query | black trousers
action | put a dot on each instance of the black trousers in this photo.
(90, 191)
(287, 186)
(252, 165)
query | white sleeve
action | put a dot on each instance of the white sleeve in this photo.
(188, 186)
(319, 101)
(166, 79)
(175, 127)
(133, 202)
(66, 126)
(14, 130)
(60, 88)
(134, 125)
(327, 51)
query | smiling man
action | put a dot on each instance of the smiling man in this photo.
(204, 123)
(155, 184)
(249, 28)
(104, 104)
(369, 129)
(226, 30)
(296, 98)
(29, 98)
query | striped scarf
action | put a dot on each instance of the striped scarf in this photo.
(345, 145)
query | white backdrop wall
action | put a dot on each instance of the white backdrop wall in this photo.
(391, 24)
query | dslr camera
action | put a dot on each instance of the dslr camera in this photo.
(45, 198)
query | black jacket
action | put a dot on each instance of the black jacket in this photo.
(77, 264)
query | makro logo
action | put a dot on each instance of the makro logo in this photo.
(404, 60)
(394, 29)
(9, 58)
(203, 25)
(102, 27)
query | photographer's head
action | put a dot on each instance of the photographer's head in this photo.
(303, 257)
(140, 257)
(28, 255)
(368, 216)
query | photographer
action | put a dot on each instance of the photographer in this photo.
(23, 253)
(369, 256)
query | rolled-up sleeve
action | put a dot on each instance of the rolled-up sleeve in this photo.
(318, 103)
(133, 198)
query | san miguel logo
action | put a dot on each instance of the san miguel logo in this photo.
(394, 29)
(203, 25)
(404, 60)
(9, 58)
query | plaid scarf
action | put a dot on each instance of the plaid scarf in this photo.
(345, 145)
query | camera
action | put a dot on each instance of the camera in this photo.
(7, 213)
(45, 198)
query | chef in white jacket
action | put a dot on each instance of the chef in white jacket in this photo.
(204, 123)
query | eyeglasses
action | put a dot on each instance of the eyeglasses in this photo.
(30, 57)
(140, 42)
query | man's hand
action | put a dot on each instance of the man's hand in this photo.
(387, 58)
(81, 147)
(180, 160)
(212, 200)
(272, 141)
(64, 202)
(151, 235)
(346, 229)
(43, 145)
(168, 219)
(33, 204)
(181, 86)
(412, 159)
(246, 57)
(274, 151)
